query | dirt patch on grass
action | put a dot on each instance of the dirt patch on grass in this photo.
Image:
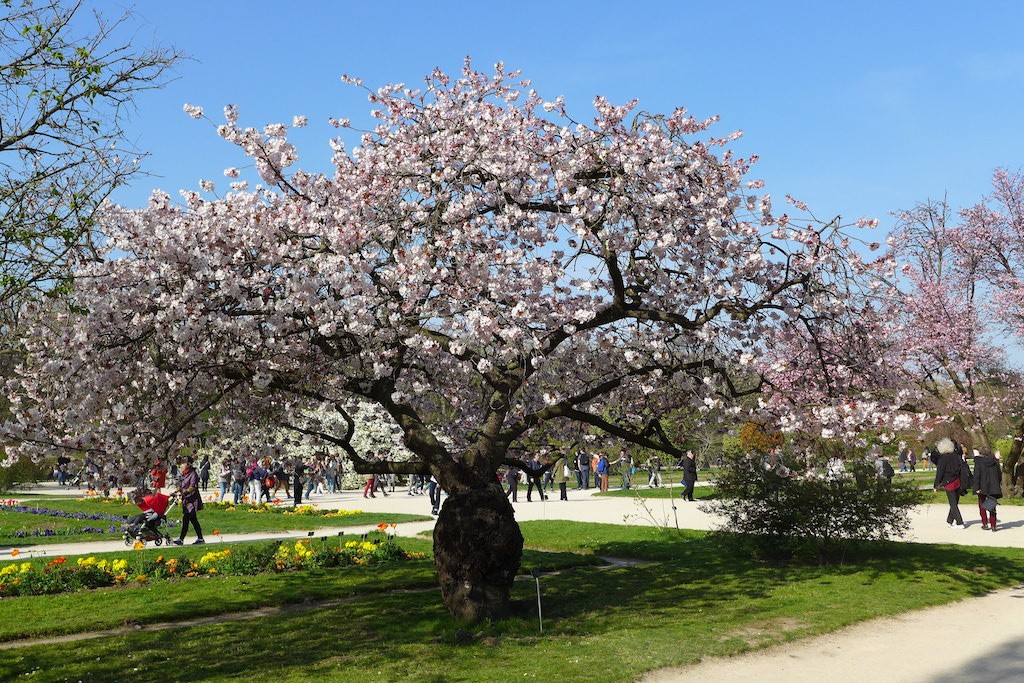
(762, 633)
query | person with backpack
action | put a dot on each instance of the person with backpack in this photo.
(561, 475)
(883, 468)
(689, 465)
(583, 470)
(948, 471)
(988, 486)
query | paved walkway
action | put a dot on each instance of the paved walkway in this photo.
(981, 639)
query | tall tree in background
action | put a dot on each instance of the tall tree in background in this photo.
(484, 268)
(994, 228)
(944, 318)
(67, 81)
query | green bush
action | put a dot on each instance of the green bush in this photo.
(783, 510)
(23, 471)
(732, 448)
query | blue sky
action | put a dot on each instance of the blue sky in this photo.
(858, 108)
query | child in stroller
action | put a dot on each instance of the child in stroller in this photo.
(149, 525)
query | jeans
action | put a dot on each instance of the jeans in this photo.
(435, 496)
(223, 491)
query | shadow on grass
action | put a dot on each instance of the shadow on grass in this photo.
(694, 589)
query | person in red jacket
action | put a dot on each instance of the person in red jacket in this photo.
(158, 476)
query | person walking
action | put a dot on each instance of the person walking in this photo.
(224, 478)
(191, 502)
(689, 475)
(237, 480)
(512, 482)
(561, 476)
(204, 473)
(533, 479)
(298, 479)
(654, 472)
(434, 492)
(158, 476)
(988, 486)
(625, 463)
(947, 476)
(369, 490)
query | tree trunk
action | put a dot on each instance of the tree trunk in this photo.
(1010, 485)
(477, 551)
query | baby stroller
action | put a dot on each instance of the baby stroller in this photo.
(151, 524)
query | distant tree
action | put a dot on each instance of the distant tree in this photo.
(67, 82)
(487, 270)
(945, 324)
(994, 227)
(759, 437)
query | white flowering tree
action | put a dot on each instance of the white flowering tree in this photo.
(483, 268)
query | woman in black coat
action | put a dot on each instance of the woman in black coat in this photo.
(689, 475)
(947, 476)
(988, 486)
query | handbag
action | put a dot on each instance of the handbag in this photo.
(566, 471)
(989, 504)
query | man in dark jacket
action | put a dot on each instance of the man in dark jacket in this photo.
(988, 486)
(689, 475)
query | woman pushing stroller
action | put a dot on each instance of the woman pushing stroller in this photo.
(191, 502)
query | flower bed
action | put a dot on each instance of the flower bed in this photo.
(49, 512)
(60, 575)
(271, 508)
(14, 506)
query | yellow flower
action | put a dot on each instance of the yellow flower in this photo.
(119, 565)
(26, 567)
(139, 545)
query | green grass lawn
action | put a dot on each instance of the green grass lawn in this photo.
(239, 520)
(674, 491)
(691, 597)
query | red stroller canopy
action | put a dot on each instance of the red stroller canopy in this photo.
(157, 502)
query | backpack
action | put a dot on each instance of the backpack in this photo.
(966, 477)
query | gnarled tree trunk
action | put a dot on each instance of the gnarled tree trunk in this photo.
(477, 551)
(1011, 482)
